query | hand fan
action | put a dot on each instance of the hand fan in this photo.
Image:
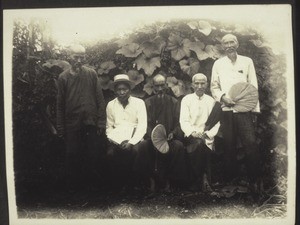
(159, 138)
(244, 95)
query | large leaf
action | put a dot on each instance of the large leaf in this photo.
(106, 82)
(147, 64)
(198, 48)
(148, 87)
(50, 63)
(214, 51)
(135, 76)
(131, 50)
(203, 26)
(178, 46)
(189, 66)
(177, 86)
(106, 67)
(153, 48)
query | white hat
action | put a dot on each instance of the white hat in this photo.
(122, 78)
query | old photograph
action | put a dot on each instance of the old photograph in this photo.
(161, 114)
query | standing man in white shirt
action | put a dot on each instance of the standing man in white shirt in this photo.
(126, 126)
(227, 71)
(194, 112)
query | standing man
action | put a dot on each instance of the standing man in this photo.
(195, 110)
(125, 128)
(164, 109)
(80, 118)
(226, 72)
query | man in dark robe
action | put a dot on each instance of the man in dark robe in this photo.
(164, 109)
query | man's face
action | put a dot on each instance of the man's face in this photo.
(159, 86)
(76, 60)
(122, 91)
(230, 45)
(199, 85)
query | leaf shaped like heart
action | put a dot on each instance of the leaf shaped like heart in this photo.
(106, 67)
(131, 50)
(153, 48)
(177, 86)
(149, 65)
(203, 26)
(198, 48)
(189, 66)
(148, 87)
(178, 46)
(135, 76)
(106, 82)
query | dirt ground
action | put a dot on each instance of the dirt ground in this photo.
(177, 204)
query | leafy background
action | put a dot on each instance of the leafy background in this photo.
(177, 49)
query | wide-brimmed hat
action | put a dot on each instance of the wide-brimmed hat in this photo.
(122, 78)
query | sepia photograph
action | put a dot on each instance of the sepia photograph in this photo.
(153, 114)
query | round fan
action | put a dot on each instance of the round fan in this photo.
(244, 95)
(159, 138)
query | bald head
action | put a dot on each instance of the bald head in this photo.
(199, 76)
(76, 56)
(159, 78)
(228, 38)
(159, 84)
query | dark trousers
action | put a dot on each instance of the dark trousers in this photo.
(126, 167)
(171, 165)
(198, 158)
(83, 156)
(234, 126)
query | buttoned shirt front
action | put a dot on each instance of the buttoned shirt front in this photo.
(132, 117)
(225, 74)
(194, 113)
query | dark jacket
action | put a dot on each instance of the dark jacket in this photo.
(79, 101)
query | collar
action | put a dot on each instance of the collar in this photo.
(129, 100)
(197, 97)
(229, 60)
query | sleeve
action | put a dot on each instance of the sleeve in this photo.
(252, 79)
(176, 124)
(101, 116)
(109, 119)
(149, 119)
(142, 124)
(185, 118)
(213, 131)
(215, 86)
(60, 107)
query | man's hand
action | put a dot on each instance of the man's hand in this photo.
(227, 101)
(126, 146)
(197, 134)
(170, 136)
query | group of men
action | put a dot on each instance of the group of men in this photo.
(130, 155)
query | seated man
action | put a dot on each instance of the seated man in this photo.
(125, 128)
(164, 109)
(195, 110)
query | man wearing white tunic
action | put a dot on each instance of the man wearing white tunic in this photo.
(227, 71)
(195, 110)
(126, 126)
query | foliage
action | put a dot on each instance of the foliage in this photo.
(176, 49)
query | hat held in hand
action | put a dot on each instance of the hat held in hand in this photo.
(244, 95)
(159, 138)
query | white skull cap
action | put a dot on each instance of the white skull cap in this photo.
(200, 76)
(229, 37)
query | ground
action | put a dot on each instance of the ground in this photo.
(105, 204)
